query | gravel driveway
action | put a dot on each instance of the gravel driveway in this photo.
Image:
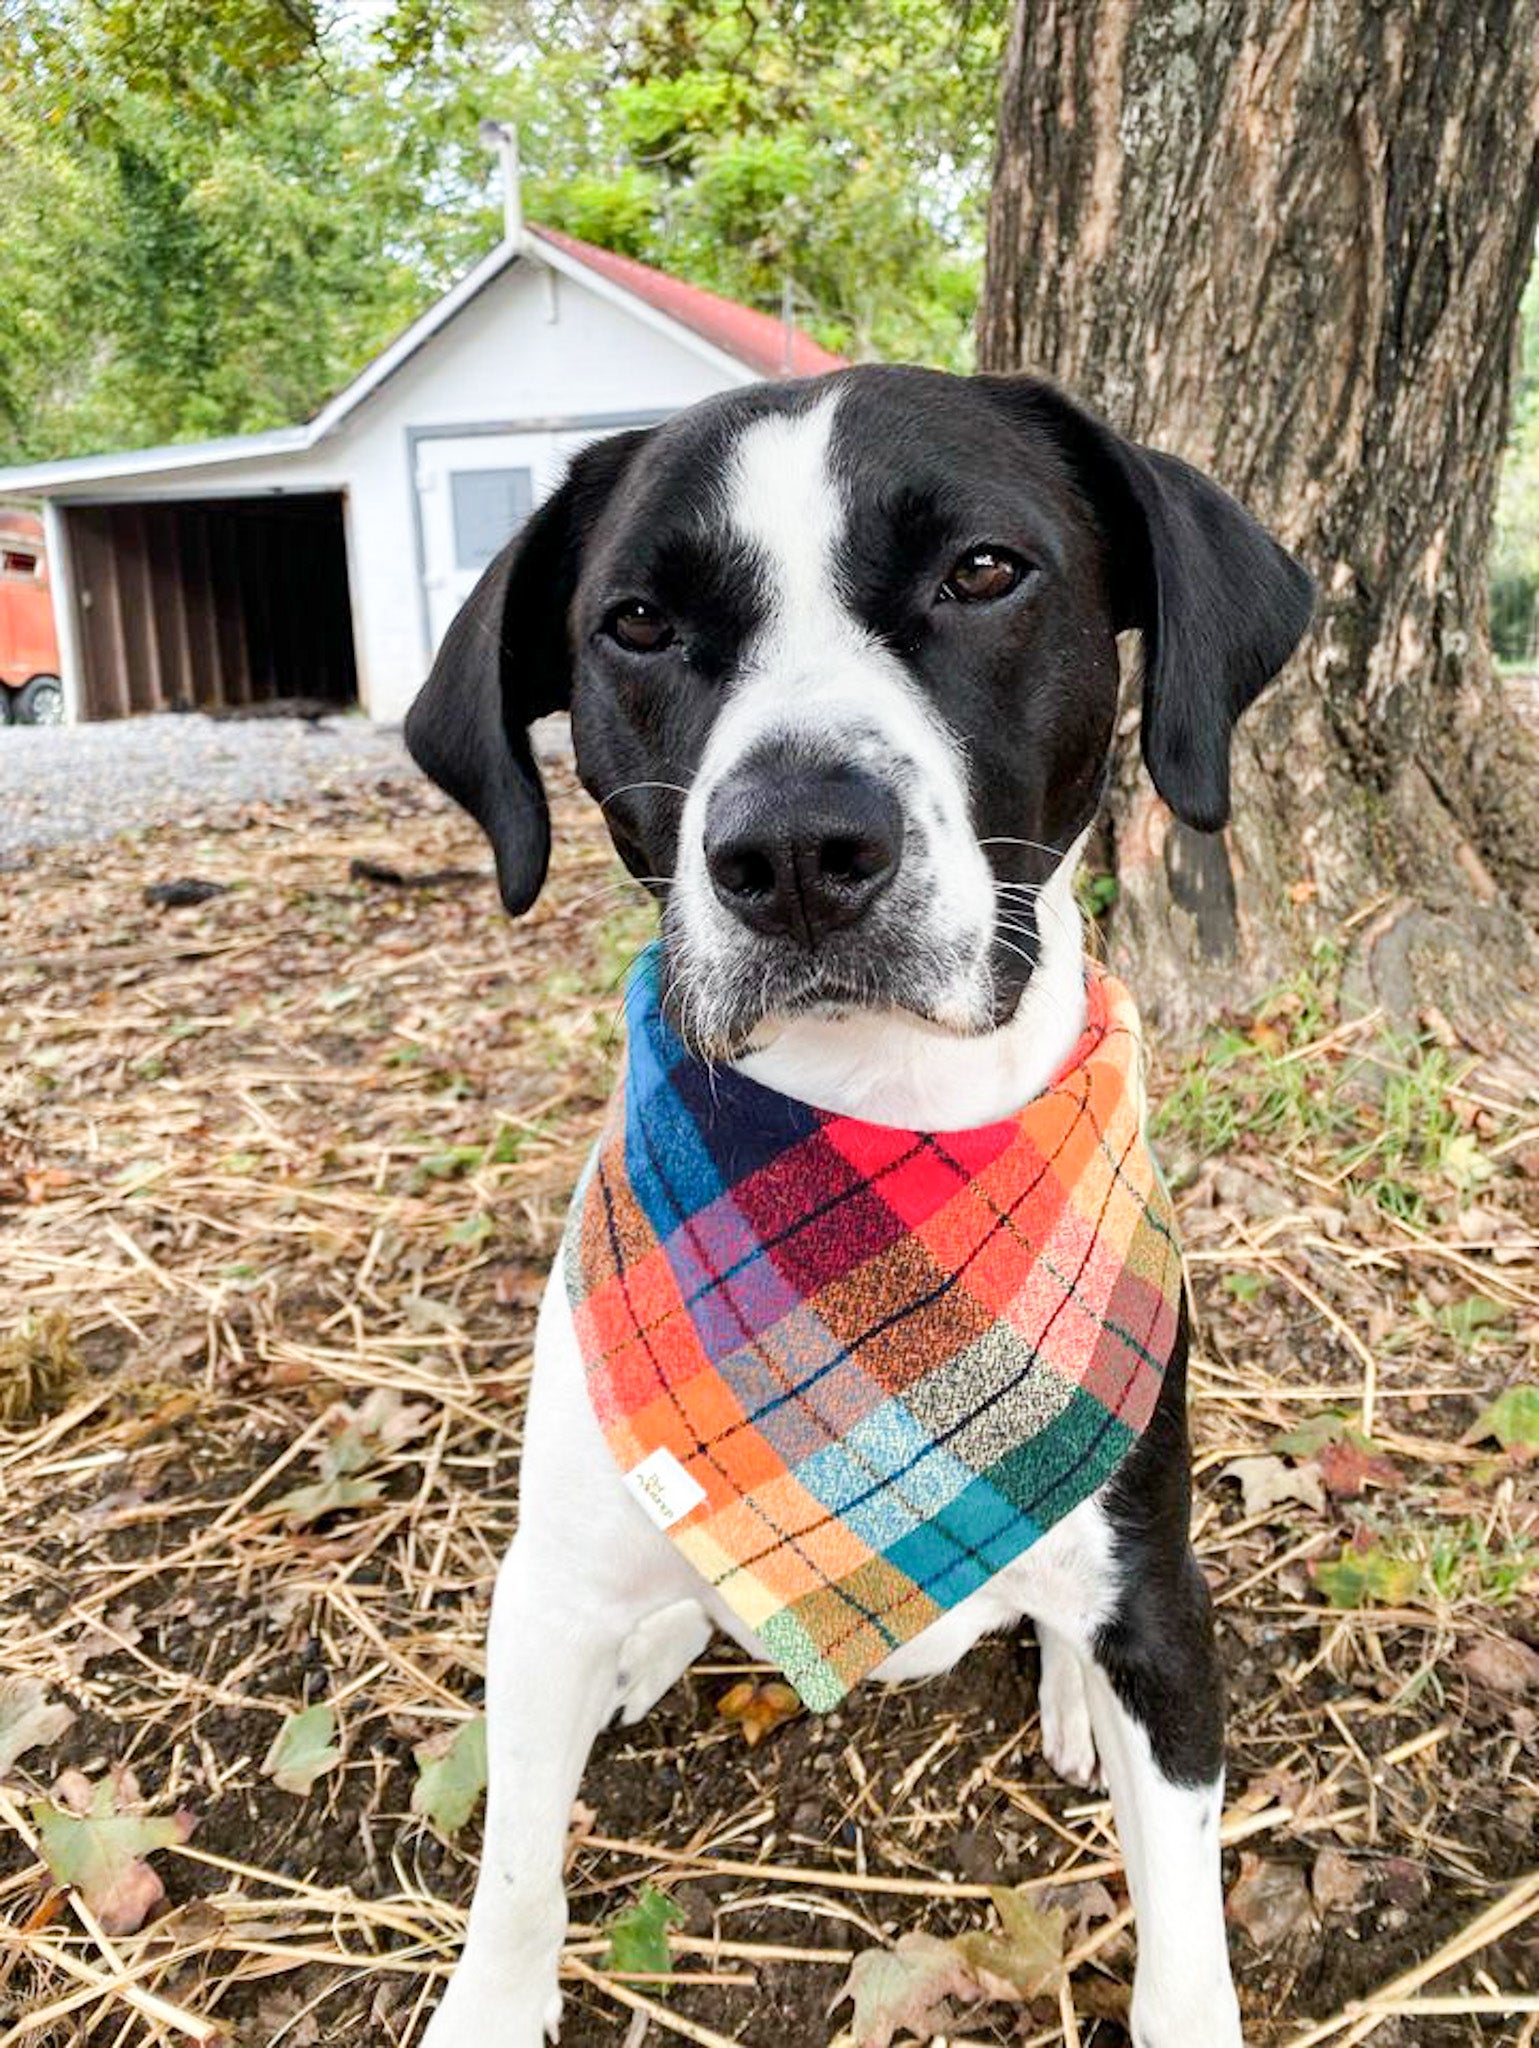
(61, 784)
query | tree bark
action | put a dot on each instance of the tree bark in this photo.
(1288, 239)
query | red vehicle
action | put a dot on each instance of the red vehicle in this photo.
(30, 690)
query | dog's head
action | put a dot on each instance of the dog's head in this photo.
(840, 657)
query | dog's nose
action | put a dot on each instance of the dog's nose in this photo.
(801, 855)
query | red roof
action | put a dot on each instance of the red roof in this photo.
(755, 339)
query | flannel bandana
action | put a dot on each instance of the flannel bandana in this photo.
(855, 1371)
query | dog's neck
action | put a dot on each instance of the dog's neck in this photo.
(888, 1067)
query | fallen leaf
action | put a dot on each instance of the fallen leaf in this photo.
(1084, 1903)
(1351, 1466)
(904, 1990)
(451, 1775)
(92, 1838)
(304, 1749)
(1512, 1419)
(759, 1709)
(380, 1424)
(1406, 1882)
(1307, 1437)
(359, 1438)
(519, 1286)
(1269, 1900)
(1503, 1664)
(638, 1935)
(1027, 1958)
(286, 2015)
(1337, 1883)
(331, 1496)
(27, 1719)
(1501, 1232)
(1362, 1575)
(1267, 1482)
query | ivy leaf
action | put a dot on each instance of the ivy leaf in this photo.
(904, 1990)
(1512, 1418)
(360, 1437)
(638, 1936)
(308, 1504)
(759, 1709)
(451, 1775)
(363, 1435)
(304, 1749)
(1307, 1438)
(1027, 1959)
(1361, 1576)
(1351, 1466)
(27, 1719)
(92, 1838)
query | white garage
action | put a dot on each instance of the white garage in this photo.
(325, 561)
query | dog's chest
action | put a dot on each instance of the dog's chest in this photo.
(857, 1373)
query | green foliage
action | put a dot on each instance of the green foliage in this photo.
(451, 1776)
(1412, 1565)
(638, 1935)
(1388, 1109)
(1512, 1419)
(218, 210)
(305, 1748)
(1369, 1576)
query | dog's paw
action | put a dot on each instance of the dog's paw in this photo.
(1068, 1741)
(1181, 2015)
(480, 2014)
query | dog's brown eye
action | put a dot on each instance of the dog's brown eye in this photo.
(983, 574)
(639, 626)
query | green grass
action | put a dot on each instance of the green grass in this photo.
(1381, 1115)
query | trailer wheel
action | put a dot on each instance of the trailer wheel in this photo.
(39, 702)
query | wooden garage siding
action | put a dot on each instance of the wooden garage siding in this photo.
(212, 604)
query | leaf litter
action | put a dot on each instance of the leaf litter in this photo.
(97, 1837)
(290, 1164)
(305, 1748)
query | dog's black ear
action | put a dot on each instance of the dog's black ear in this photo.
(1219, 603)
(507, 660)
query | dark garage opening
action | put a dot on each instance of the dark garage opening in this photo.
(212, 603)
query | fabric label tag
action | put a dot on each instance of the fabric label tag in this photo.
(664, 1489)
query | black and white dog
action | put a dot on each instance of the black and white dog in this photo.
(841, 662)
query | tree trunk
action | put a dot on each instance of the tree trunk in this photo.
(1288, 239)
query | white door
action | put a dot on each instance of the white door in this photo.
(475, 492)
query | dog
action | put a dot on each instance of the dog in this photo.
(841, 662)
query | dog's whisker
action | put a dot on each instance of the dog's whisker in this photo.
(1033, 845)
(625, 789)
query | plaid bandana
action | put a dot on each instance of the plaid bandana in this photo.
(855, 1371)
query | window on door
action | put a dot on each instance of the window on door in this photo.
(490, 505)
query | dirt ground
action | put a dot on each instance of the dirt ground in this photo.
(309, 1142)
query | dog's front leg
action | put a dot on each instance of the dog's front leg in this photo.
(1155, 1708)
(553, 1660)
(594, 1615)
(1155, 1690)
